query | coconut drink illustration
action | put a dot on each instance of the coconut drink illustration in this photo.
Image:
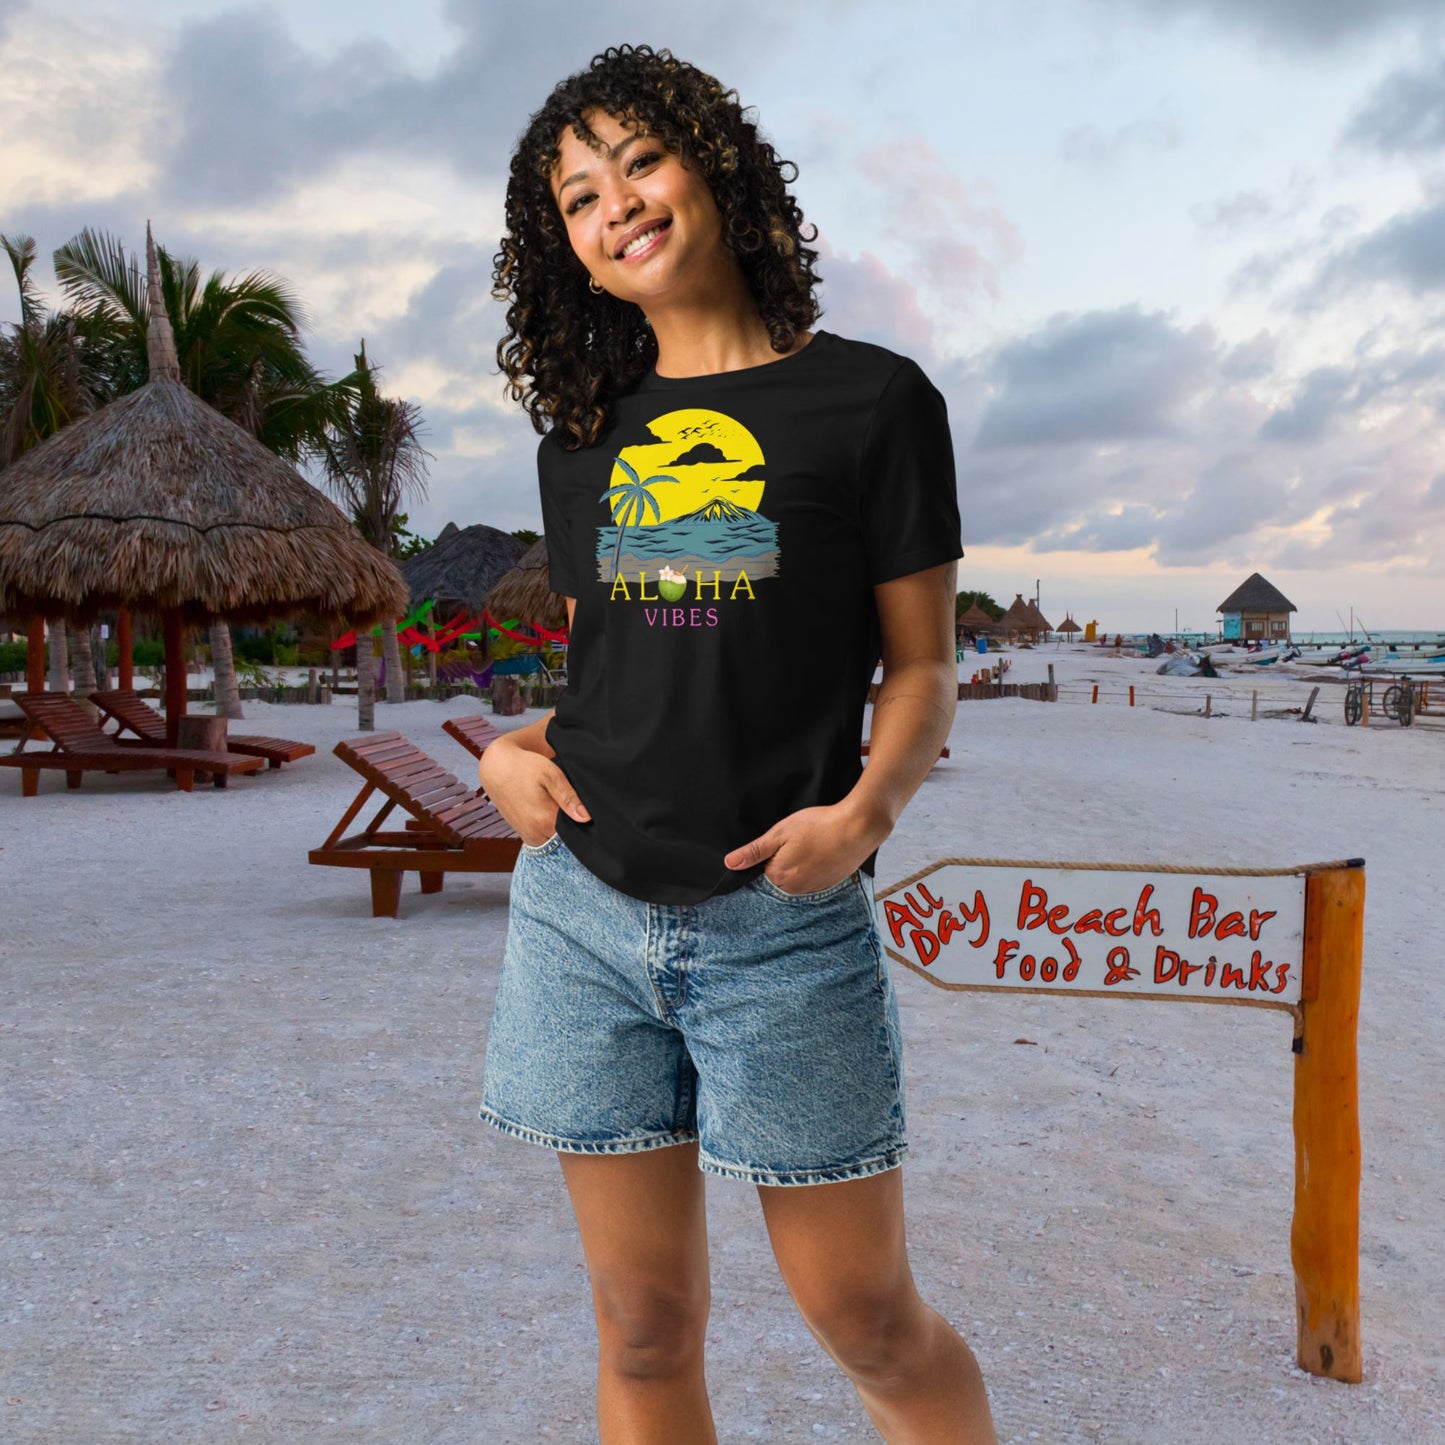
(671, 585)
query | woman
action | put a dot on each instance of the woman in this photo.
(743, 515)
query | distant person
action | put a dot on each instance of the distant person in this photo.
(693, 979)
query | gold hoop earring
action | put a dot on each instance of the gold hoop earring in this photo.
(593, 287)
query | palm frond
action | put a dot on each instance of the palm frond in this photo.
(21, 251)
(94, 272)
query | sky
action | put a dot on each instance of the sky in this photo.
(1177, 266)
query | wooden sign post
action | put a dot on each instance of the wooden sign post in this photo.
(1288, 938)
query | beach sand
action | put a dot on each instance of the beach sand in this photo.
(246, 1197)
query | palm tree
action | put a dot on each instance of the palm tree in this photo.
(373, 461)
(239, 345)
(54, 368)
(631, 501)
(51, 366)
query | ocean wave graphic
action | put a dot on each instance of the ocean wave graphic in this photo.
(731, 547)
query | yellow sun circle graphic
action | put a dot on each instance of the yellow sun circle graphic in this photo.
(708, 457)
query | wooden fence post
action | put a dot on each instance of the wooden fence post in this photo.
(1325, 1238)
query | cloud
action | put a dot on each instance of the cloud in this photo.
(1124, 528)
(1317, 404)
(1233, 213)
(1306, 24)
(956, 237)
(1408, 250)
(250, 110)
(1124, 432)
(703, 454)
(1405, 115)
(1087, 145)
(1105, 376)
(863, 298)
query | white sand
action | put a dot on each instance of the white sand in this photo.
(245, 1196)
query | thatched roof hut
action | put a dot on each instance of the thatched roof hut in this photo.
(159, 503)
(526, 592)
(1069, 626)
(1037, 618)
(1256, 610)
(976, 620)
(1256, 594)
(1016, 622)
(461, 567)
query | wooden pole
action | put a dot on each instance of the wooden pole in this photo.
(125, 646)
(1325, 1239)
(1254, 705)
(35, 655)
(174, 635)
(1095, 697)
(1131, 694)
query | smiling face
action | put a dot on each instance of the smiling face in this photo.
(644, 225)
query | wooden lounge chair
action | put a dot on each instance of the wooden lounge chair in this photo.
(81, 747)
(473, 732)
(451, 828)
(13, 723)
(131, 714)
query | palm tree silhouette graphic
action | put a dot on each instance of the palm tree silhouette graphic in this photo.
(631, 501)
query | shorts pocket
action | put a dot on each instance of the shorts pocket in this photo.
(542, 850)
(764, 884)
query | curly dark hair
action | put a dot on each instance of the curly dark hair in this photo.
(569, 352)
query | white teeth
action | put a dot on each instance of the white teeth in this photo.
(641, 240)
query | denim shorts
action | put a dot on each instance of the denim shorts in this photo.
(761, 1024)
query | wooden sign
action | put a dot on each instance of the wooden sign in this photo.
(1287, 938)
(1049, 928)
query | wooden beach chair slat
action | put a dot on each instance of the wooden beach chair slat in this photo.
(133, 714)
(473, 732)
(442, 833)
(80, 745)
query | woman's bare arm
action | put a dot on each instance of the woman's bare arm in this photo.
(816, 847)
(520, 777)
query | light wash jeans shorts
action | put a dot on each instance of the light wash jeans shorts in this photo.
(759, 1023)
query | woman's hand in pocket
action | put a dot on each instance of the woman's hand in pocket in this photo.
(529, 790)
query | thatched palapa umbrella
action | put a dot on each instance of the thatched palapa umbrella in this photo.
(526, 592)
(1016, 621)
(1069, 626)
(1037, 620)
(976, 620)
(159, 503)
(461, 567)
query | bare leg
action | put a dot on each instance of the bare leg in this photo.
(643, 1222)
(842, 1254)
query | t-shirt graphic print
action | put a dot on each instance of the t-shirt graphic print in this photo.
(722, 541)
(687, 527)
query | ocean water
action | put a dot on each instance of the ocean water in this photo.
(749, 545)
(1379, 639)
(1376, 636)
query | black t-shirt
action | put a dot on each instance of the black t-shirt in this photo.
(722, 541)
